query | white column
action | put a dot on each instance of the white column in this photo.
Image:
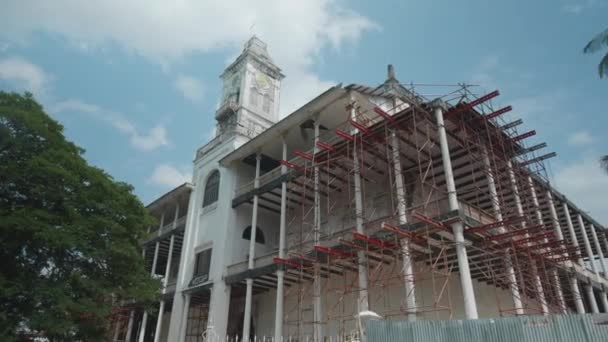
(254, 223)
(600, 253)
(144, 320)
(159, 321)
(519, 207)
(176, 215)
(278, 317)
(576, 293)
(130, 326)
(598, 247)
(317, 303)
(604, 300)
(116, 330)
(606, 242)
(537, 282)
(161, 223)
(169, 260)
(165, 281)
(591, 298)
(470, 306)
(571, 231)
(513, 285)
(219, 305)
(578, 300)
(363, 303)
(558, 233)
(408, 272)
(184, 321)
(588, 249)
(185, 266)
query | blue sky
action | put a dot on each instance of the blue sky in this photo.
(136, 83)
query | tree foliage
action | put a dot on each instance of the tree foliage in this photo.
(69, 233)
(598, 43)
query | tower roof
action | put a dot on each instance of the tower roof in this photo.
(256, 49)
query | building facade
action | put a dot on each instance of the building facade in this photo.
(364, 199)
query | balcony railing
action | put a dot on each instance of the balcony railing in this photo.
(168, 227)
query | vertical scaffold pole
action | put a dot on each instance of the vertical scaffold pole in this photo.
(537, 282)
(251, 263)
(470, 306)
(363, 303)
(576, 292)
(316, 300)
(278, 320)
(408, 272)
(513, 284)
(560, 236)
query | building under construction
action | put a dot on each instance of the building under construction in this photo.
(378, 199)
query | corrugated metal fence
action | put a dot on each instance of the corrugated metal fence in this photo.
(579, 328)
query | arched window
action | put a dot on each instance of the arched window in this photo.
(259, 235)
(212, 188)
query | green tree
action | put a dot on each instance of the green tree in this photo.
(596, 44)
(600, 42)
(69, 233)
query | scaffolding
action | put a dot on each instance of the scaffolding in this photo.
(371, 215)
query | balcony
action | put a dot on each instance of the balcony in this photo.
(230, 106)
(180, 222)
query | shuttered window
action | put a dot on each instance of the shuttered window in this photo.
(212, 189)
(203, 262)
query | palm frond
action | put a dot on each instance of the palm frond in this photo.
(603, 66)
(604, 162)
(598, 42)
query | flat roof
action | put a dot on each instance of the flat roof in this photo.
(168, 196)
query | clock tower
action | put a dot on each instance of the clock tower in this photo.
(250, 95)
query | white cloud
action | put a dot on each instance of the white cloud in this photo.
(300, 88)
(168, 176)
(153, 139)
(585, 183)
(166, 32)
(578, 6)
(24, 74)
(580, 138)
(190, 88)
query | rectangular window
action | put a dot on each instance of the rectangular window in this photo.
(202, 264)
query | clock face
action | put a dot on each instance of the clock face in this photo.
(262, 81)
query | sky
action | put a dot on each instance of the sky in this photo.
(136, 83)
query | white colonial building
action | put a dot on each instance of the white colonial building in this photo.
(363, 199)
